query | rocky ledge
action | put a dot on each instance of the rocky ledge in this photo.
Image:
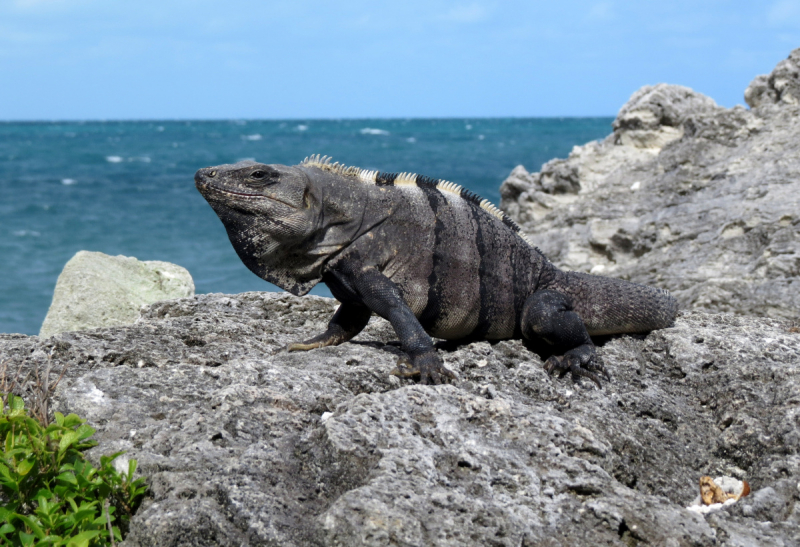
(698, 199)
(246, 444)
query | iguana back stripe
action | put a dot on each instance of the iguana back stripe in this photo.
(433, 306)
(484, 290)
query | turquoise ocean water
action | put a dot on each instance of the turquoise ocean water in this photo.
(127, 187)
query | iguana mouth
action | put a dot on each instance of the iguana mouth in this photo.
(245, 195)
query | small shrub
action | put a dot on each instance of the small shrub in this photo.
(51, 494)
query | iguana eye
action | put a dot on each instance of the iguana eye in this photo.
(258, 175)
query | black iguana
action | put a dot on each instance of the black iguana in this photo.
(429, 256)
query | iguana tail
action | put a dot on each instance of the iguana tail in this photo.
(614, 306)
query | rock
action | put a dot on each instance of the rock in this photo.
(243, 443)
(654, 116)
(98, 290)
(782, 86)
(684, 195)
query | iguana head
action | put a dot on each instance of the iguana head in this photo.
(271, 214)
(278, 195)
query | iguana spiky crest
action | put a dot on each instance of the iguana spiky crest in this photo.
(412, 179)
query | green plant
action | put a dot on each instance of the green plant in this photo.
(51, 494)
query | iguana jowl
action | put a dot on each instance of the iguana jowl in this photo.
(427, 255)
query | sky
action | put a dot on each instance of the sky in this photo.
(297, 59)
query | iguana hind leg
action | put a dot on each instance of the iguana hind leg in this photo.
(347, 322)
(548, 315)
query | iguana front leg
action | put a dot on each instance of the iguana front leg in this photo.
(347, 322)
(548, 315)
(379, 294)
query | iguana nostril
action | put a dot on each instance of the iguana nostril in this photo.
(203, 174)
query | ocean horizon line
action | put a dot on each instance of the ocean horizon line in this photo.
(310, 119)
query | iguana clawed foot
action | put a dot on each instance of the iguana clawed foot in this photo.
(323, 340)
(428, 367)
(304, 346)
(581, 362)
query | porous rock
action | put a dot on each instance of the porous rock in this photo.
(98, 290)
(243, 443)
(684, 194)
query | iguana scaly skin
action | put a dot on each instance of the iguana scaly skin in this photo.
(427, 255)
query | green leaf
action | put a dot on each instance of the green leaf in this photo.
(4, 472)
(15, 403)
(24, 467)
(6, 528)
(72, 420)
(66, 441)
(68, 477)
(131, 469)
(27, 539)
(53, 430)
(85, 431)
(44, 492)
(31, 523)
(86, 510)
(82, 539)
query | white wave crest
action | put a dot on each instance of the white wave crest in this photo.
(371, 131)
(254, 137)
(67, 182)
(120, 159)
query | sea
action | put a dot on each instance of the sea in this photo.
(127, 187)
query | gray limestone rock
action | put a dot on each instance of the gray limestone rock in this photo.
(246, 444)
(98, 290)
(782, 86)
(683, 194)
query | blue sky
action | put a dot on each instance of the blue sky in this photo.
(202, 59)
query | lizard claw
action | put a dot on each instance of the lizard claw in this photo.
(404, 369)
(581, 362)
(427, 368)
(302, 346)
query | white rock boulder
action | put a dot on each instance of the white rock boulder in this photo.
(98, 290)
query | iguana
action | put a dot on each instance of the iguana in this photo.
(429, 256)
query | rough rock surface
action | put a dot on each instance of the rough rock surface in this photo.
(684, 194)
(246, 444)
(98, 290)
